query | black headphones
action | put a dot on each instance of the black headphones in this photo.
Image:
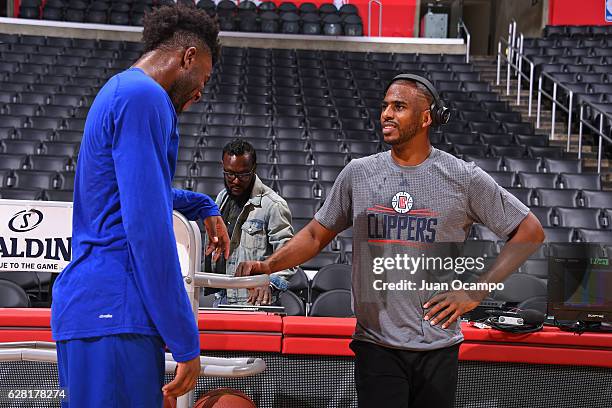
(440, 114)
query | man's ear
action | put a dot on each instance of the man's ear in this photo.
(189, 57)
(427, 120)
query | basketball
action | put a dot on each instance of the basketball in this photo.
(224, 398)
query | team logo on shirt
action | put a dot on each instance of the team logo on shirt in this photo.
(402, 202)
(401, 223)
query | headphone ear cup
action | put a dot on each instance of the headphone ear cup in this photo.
(445, 115)
(433, 109)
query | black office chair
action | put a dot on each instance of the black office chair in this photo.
(311, 24)
(294, 306)
(12, 295)
(332, 24)
(335, 303)
(353, 26)
(269, 22)
(290, 23)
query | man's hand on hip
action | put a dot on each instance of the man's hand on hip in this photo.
(453, 304)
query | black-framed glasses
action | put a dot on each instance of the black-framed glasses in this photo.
(231, 176)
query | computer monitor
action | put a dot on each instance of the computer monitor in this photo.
(580, 289)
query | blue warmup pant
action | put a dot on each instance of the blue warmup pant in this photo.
(124, 370)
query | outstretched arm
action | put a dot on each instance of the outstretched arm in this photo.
(195, 206)
(303, 246)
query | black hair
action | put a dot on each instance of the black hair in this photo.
(421, 89)
(178, 26)
(239, 147)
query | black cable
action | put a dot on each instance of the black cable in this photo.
(523, 329)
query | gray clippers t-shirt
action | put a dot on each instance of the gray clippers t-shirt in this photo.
(410, 211)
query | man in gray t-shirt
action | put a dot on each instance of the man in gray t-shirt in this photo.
(407, 204)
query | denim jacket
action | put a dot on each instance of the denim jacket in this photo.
(263, 226)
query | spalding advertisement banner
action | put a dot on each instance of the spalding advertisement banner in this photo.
(35, 235)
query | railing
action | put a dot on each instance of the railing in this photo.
(569, 109)
(555, 103)
(514, 58)
(510, 50)
(380, 11)
(462, 28)
(598, 130)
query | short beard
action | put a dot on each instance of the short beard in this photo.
(406, 135)
(244, 196)
(179, 93)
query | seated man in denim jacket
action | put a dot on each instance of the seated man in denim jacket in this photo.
(258, 221)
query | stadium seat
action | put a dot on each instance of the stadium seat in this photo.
(332, 24)
(520, 287)
(470, 149)
(580, 180)
(523, 194)
(48, 163)
(503, 178)
(524, 165)
(303, 208)
(562, 165)
(597, 199)
(12, 295)
(352, 25)
(332, 276)
(461, 138)
(311, 23)
(591, 218)
(532, 140)
(20, 194)
(544, 215)
(20, 146)
(507, 151)
(549, 197)
(595, 235)
(545, 151)
(499, 140)
(558, 234)
(299, 284)
(290, 23)
(293, 304)
(335, 303)
(292, 189)
(487, 164)
(535, 267)
(537, 180)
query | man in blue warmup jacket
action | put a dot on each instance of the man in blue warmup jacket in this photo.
(122, 299)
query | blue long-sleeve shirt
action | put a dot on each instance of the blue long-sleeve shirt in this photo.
(125, 275)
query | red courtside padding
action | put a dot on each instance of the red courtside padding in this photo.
(25, 325)
(240, 331)
(218, 331)
(547, 336)
(306, 335)
(239, 321)
(317, 335)
(26, 317)
(331, 336)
